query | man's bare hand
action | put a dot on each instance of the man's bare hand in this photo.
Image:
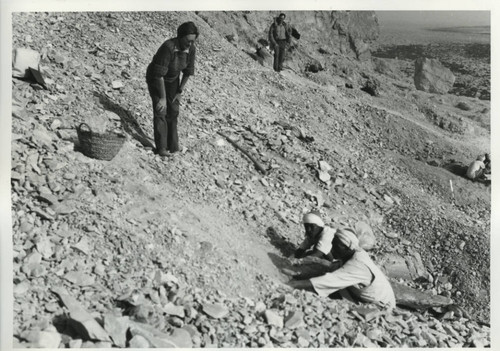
(161, 105)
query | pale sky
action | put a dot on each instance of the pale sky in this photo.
(436, 18)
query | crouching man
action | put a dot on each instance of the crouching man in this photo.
(358, 275)
(318, 238)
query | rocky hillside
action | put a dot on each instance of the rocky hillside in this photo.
(188, 250)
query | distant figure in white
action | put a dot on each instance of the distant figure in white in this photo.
(355, 276)
(476, 168)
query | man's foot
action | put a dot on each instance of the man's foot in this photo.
(163, 152)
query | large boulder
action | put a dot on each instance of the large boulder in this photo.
(431, 76)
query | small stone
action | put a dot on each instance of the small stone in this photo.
(324, 176)
(391, 234)
(75, 344)
(463, 106)
(324, 166)
(294, 320)
(260, 307)
(56, 123)
(21, 288)
(117, 84)
(64, 207)
(181, 338)
(44, 247)
(388, 199)
(117, 328)
(216, 311)
(48, 198)
(82, 246)
(174, 310)
(79, 278)
(42, 339)
(42, 137)
(139, 342)
(273, 318)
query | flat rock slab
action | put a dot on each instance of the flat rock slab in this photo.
(79, 278)
(215, 310)
(413, 298)
(273, 318)
(117, 328)
(294, 320)
(157, 338)
(174, 310)
(42, 339)
(85, 324)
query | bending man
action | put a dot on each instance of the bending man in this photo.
(358, 274)
(174, 56)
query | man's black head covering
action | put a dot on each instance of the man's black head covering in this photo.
(282, 14)
(187, 28)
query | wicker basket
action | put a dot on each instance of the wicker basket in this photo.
(101, 146)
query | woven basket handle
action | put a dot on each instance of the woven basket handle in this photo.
(84, 124)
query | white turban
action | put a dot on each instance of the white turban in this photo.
(313, 219)
(348, 238)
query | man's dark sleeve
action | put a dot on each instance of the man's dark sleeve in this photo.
(271, 36)
(157, 70)
(288, 32)
(159, 66)
(299, 253)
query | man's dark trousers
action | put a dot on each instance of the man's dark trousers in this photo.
(279, 54)
(165, 124)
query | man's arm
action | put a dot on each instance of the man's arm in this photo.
(159, 70)
(301, 284)
(271, 36)
(184, 80)
(288, 33)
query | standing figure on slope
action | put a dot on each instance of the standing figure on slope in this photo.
(279, 39)
(165, 86)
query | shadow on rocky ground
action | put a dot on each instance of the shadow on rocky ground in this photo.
(286, 248)
(129, 123)
(456, 168)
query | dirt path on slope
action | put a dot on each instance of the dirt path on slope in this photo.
(230, 255)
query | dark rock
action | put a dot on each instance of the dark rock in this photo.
(372, 87)
(464, 106)
(416, 299)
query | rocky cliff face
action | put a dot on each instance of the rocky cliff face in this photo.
(341, 32)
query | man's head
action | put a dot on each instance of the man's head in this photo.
(187, 33)
(481, 158)
(344, 244)
(281, 17)
(313, 224)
